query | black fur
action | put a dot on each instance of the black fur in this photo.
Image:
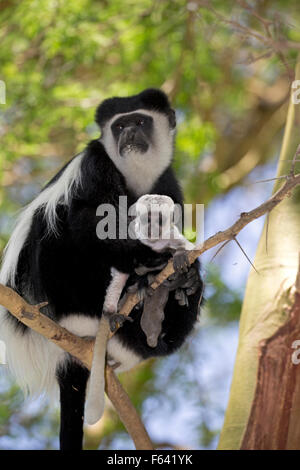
(72, 271)
(150, 99)
(72, 379)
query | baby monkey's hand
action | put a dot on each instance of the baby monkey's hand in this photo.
(181, 261)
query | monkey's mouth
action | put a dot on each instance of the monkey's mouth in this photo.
(128, 147)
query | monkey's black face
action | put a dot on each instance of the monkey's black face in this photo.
(132, 133)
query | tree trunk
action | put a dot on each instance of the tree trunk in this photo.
(264, 405)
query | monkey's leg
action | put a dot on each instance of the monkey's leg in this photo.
(72, 379)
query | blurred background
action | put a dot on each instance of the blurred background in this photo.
(227, 67)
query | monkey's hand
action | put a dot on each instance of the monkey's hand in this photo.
(115, 319)
(184, 284)
(181, 261)
(154, 264)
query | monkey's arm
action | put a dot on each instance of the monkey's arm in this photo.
(112, 297)
(123, 254)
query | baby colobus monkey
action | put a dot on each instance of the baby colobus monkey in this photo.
(154, 225)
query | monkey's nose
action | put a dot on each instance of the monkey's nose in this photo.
(130, 135)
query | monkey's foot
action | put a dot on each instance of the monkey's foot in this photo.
(181, 262)
(116, 320)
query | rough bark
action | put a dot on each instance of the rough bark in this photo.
(274, 417)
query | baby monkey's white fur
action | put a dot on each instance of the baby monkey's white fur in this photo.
(163, 237)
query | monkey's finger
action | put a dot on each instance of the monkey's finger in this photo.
(117, 320)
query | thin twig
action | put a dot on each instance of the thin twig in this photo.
(245, 254)
(218, 250)
(270, 179)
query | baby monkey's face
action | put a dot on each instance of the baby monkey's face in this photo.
(155, 214)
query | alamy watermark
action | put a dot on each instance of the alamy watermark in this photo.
(155, 221)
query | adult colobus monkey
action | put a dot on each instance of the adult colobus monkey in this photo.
(55, 255)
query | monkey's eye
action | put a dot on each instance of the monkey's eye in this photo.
(120, 127)
(140, 122)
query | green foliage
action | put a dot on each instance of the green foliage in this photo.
(59, 59)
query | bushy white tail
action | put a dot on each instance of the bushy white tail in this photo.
(95, 402)
(30, 357)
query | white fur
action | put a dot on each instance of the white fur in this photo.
(114, 290)
(80, 325)
(141, 170)
(58, 192)
(95, 401)
(31, 358)
(121, 354)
